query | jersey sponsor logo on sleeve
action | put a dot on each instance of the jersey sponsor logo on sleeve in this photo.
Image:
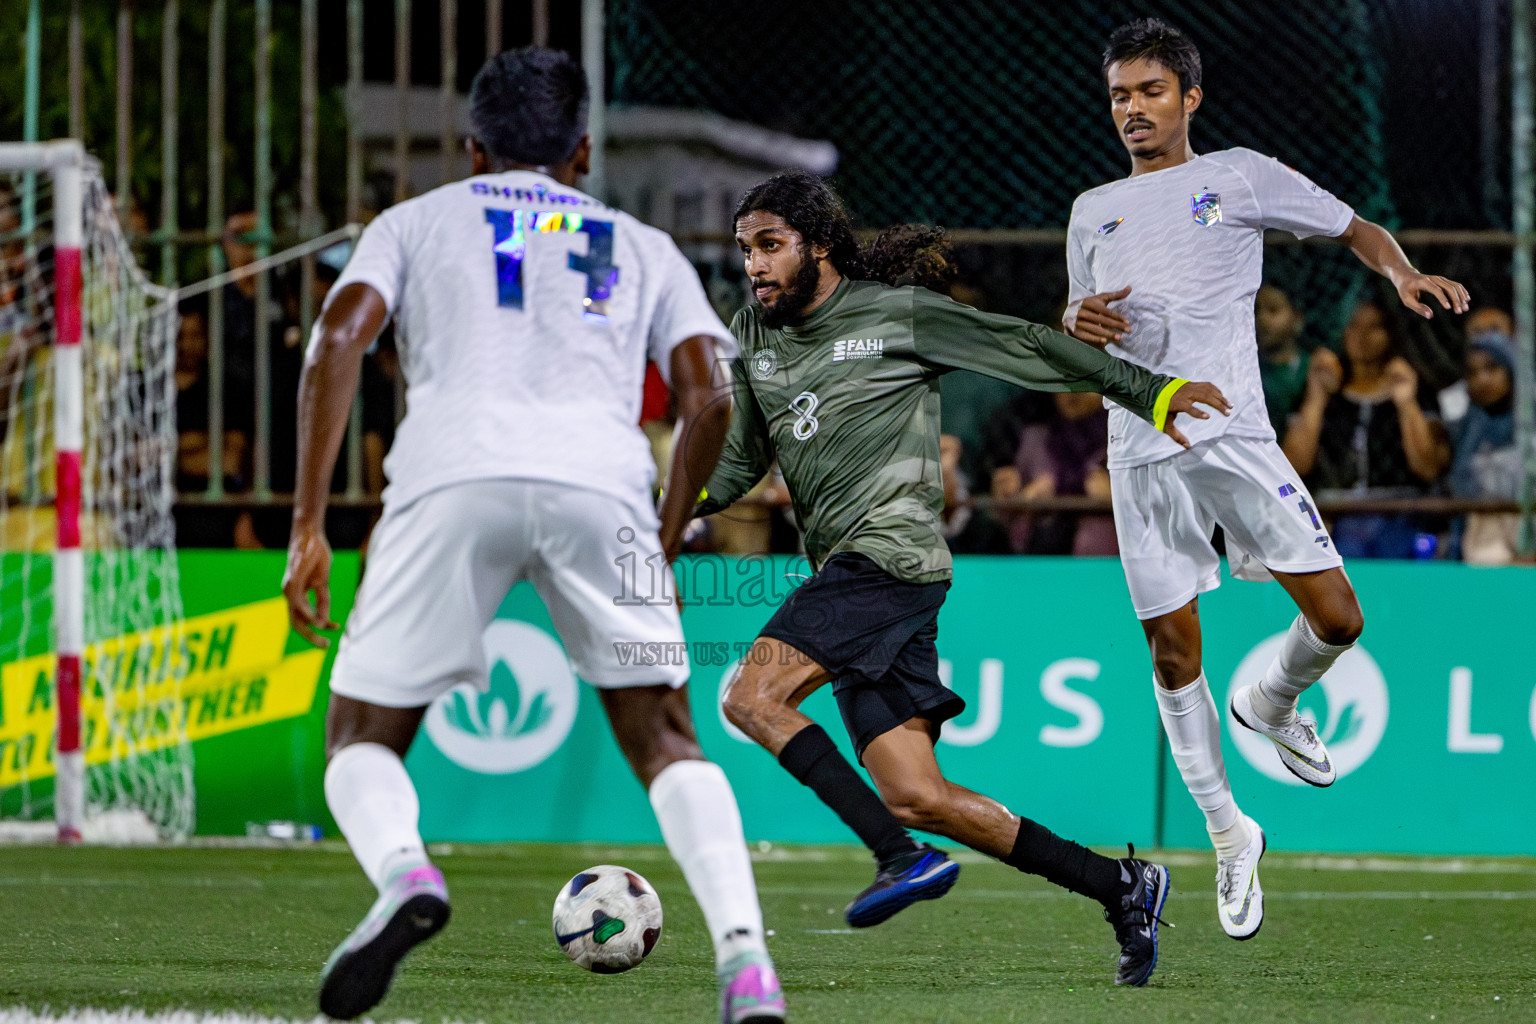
(1105, 229)
(1311, 185)
(1206, 206)
(858, 348)
(764, 363)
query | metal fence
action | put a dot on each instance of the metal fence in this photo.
(248, 76)
(987, 118)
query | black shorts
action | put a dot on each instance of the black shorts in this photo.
(875, 634)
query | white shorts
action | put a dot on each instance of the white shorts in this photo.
(1165, 513)
(440, 567)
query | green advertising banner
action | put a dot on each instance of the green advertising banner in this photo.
(1431, 720)
(272, 770)
(1049, 729)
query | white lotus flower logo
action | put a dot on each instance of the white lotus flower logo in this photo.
(523, 718)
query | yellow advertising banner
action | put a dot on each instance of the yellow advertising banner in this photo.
(202, 676)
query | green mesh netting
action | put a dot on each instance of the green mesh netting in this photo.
(978, 114)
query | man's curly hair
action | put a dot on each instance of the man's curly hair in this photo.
(907, 254)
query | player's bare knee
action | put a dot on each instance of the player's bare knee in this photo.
(739, 705)
(1175, 668)
(917, 803)
(748, 700)
(1340, 624)
(1175, 655)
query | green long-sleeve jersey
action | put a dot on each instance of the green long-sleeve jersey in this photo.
(848, 401)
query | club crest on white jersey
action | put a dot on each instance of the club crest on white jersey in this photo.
(1206, 207)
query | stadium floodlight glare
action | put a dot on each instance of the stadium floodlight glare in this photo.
(75, 308)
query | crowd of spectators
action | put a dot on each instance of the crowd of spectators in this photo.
(1351, 413)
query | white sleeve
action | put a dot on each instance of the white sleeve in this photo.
(378, 261)
(1079, 275)
(682, 311)
(1290, 201)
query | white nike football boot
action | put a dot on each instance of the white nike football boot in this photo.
(1239, 897)
(1300, 750)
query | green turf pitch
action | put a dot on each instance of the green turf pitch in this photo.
(247, 930)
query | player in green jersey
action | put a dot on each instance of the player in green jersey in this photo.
(838, 379)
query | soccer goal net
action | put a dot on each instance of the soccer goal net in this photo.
(92, 728)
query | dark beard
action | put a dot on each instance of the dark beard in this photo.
(796, 295)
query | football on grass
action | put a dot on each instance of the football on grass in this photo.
(607, 919)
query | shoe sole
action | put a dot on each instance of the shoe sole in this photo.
(1263, 848)
(761, 1018)
(888, 907)
(361, 977)
(1279, 748)
(1164, 886)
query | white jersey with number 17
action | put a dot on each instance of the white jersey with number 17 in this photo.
(524, 314)
(1189, 241)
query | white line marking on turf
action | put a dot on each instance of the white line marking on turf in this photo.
(131, 1015)
(964, 894)
(1194, 859)
(1453, 866)
(1524, 894)
(1306, 862)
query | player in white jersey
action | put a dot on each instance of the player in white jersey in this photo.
(1164, 266)
(525, 311)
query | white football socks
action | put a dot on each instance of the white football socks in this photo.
(702, 826)
(374, 802)
(1302, 660)
(1194, 737)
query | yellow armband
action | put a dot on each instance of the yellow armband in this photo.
(702, 494)
(1164, 399)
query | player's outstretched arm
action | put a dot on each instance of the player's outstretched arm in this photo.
(703, 418)
(952, 336)
(1374, 246)
(331, 367)
(1155, 397)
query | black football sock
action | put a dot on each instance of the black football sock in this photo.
(1039, 851)
(811, 757)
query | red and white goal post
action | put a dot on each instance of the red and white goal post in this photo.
(81, 312)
